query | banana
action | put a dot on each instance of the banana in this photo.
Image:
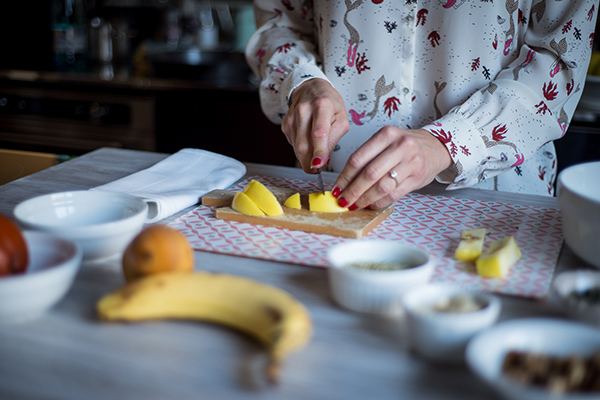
(265, 312)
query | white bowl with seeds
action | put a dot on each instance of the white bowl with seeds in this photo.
(370, 275)
(442, 318)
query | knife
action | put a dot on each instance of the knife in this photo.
(321, 181)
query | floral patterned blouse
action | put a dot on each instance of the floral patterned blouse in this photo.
(495, 80)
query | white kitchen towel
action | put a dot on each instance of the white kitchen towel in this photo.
(178, 181)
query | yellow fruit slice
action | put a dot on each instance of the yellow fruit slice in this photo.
(326, 203)
(497, 259)
(264, 198)
(594, 65)
(293, 201)
(244, 204)
(470, 245)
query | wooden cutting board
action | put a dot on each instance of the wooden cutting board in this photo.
(349, 224)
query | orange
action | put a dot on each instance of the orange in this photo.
(14, 257)
(157, 249)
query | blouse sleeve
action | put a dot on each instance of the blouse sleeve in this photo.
(282, 52)
(527, 104)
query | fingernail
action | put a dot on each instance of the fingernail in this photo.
(342, 202)
(316, 161)
(336, 192)
(353, 207)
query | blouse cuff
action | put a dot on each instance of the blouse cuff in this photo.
(466, 149)
(295, 78)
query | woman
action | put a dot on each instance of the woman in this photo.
(395, 93)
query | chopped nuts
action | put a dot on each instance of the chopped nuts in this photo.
(572, 373)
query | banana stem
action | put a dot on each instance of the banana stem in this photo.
(273, 370)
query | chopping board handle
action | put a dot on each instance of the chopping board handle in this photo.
(218, 198)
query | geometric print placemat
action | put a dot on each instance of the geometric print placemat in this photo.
(432, 223)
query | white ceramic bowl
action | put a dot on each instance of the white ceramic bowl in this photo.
(443, 336)
(486, 351)
(568, 282)
(102, 223)
(579, 200)
(53, 264)
(375, 291)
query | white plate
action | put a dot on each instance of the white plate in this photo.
(486, 351)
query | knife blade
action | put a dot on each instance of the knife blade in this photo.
(321, 181)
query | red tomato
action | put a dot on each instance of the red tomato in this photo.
(13, 248)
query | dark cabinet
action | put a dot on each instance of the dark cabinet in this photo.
(223, 121)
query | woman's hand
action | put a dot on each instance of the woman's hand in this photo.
(315, 122)
(415, 157)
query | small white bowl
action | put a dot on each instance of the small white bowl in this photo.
(443, 336)
(375, 291)
(102, 223)
(576, 281)
(53, 264)
(486, 352)
(579, 200)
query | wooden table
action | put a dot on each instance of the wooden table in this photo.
(69, 354)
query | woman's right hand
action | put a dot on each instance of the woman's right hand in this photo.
(315, 122)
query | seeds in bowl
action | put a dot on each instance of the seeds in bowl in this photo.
(458, 304)
(379, 265)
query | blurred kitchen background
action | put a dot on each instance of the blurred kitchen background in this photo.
(157, 75)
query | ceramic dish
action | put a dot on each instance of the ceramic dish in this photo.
(578, 194)
(486, 352)
(375, 291)
(53, 264)
(570, 282)
(102, 223)
(443, 335)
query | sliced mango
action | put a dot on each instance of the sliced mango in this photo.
(293, 201)
(496, 260)
(244, 204)
(470, 245)
(263, 198)
(326, 203)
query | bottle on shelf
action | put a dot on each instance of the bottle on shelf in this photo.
(69, 35)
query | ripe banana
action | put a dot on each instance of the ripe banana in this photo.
(265, 312)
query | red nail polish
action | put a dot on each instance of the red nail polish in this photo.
(342, 202)
(336, 192)
(316, 161)
(353, 207)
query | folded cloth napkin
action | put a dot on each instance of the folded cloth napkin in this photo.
(178, 181)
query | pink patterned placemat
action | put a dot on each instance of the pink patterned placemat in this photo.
(433, 223)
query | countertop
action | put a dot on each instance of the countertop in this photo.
(69, 354)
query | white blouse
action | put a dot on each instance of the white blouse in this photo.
(495, 81)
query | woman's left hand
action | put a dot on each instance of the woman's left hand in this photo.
(392, 163)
